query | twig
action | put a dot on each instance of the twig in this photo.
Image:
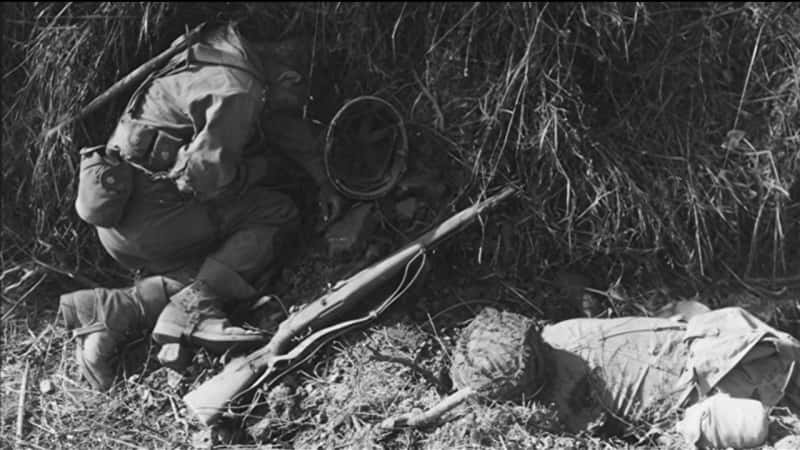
(121, 442)
(759, 291)
(419, 419)
(427, 374)
(435, 44)
(8, 288)
(516, 292)
(7, 272)
(394, 31)
(22, 298)
(21, 404)
(747, 77)
(439, 122)
(79, 278)
(791, 280)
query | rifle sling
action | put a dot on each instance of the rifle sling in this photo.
(309, 346)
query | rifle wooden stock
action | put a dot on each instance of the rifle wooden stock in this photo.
(136, 76)
(211, 398)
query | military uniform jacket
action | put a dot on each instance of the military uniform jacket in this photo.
(642, 369)
(191, 122)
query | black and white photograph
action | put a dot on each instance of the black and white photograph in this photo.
(400, 225)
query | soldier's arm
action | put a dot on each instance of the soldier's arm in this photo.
(295, 138)
(211, 164)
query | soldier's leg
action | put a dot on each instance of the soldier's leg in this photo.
(252, 228)
(161, 235)
(257, 226)
(104, 319)
(296, 138)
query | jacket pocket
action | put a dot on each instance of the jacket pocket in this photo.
(105, 184)
(132, 139)
(165, 150)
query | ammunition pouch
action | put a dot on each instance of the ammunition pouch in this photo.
(105, 183)
(124, 312)
(145, 146)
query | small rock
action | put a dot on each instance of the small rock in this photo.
(175, 356)
(406, 208)
(209, 438)
(590, 305)
(203, 439)
(787, 443)
(146, 397)
(260, 428)
(46, 386)
(572, 290)
(174, 379)
(344, 236)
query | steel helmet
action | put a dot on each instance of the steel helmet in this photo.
(366, 148)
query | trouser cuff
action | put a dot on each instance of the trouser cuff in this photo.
(152, 295)
(67, 305)
(224, 281)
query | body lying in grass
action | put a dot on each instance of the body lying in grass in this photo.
(177, 194)
(633, 371)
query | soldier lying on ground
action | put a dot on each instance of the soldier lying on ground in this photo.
(640, 370)
(175, 195)
(628, 372)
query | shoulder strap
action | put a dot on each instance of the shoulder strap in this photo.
(89, 150)
(195, 55)
(210, 56)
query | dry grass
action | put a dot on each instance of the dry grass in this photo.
(659, 138)
(655, 144)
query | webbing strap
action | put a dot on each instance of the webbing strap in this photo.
(209, 56)
(95, 328)
(89, 329)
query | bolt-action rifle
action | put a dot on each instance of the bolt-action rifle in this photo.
(265, 366)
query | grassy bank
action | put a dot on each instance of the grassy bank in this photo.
(652, 143)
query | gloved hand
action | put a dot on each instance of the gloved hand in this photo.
(330, 204)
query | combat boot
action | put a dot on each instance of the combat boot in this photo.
(195, 315)
(104, 319)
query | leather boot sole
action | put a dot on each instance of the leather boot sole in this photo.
(215, 334)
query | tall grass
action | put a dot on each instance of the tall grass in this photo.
(647, 137)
